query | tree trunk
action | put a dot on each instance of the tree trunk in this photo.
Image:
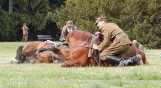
(10, 6)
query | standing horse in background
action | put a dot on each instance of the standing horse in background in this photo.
(29, 53)
(79, 44)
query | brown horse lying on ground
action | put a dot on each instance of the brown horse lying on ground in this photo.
(79, 42)
(77, 53)
(29, 53)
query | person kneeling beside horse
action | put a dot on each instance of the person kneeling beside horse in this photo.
(115, 46)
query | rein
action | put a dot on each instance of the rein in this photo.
(84, 47)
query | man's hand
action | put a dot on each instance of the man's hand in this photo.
(95, 46)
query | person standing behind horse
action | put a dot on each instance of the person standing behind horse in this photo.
(66, 30)
(25, 30)
(116, 45)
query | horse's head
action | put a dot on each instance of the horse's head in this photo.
(19, 56)
(98, 38)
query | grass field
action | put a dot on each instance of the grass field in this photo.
(54, 76)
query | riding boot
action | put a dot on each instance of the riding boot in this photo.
(135, 60)
(114, 59)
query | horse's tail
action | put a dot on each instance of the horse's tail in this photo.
(143, 57)
(19, 56)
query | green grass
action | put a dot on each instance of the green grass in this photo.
(54, 76)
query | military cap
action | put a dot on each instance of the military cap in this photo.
(101, 18)
(69, 23)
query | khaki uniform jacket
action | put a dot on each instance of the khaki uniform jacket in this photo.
(113, 35)
(65, 32)
(25, 30)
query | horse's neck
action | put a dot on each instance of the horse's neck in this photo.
(74, 43)
(78, 44)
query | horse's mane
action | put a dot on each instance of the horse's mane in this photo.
(84, 36)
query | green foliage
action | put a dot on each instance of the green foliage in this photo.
(140, 19)
(79, 11)
(7, 31)
(56, 4)
(10, 25)
(34, 13)
(35, 10)
(142, 16)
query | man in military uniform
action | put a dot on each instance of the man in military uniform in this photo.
(115, 43)
(66, 30)
(69, 27)
(25, 32)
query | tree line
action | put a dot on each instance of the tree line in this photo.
(140, 19)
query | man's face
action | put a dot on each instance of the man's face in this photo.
(100, 24)
(69, 27)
